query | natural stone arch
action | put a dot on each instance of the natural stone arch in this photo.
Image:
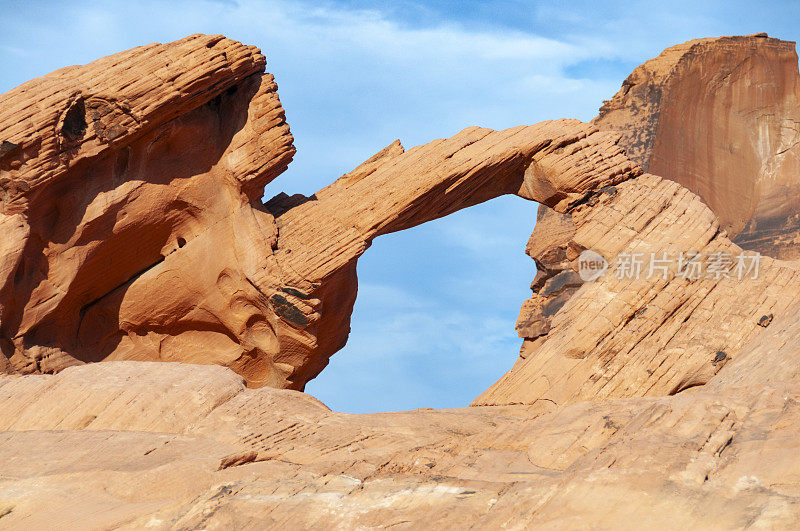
(131, 239)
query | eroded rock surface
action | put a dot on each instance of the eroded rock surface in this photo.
(211, 454)
(718, 116)
(134, 229)
(128, 209)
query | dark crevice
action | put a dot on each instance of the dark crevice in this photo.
(282, 203)
(295, 292)
(74, 126)
(7, 147)
(685, 386)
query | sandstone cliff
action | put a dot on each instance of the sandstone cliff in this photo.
(718, 116)
(722, 117)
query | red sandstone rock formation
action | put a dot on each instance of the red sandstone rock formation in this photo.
(718, 116)
(127, 190)
(133, 226)
(722, 117)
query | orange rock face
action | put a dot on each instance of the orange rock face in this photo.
(720, 116)
(127, 214)
(133, 226)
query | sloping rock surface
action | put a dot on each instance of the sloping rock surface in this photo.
(651, 330)
(719, 117)
(172, 446)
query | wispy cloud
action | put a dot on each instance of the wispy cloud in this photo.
(13, 50)
(352, 80)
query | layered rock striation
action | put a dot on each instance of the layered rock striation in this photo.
(719, 117)
(654, 324)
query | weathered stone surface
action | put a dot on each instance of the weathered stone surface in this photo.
(627, 334)
(256, 458)
(718, 116)
(721, 117)
(134, 229)
(128, 209)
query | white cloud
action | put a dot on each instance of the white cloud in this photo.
(352, 80)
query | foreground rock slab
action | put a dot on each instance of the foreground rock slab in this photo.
(209, 453)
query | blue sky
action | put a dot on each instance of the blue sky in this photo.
(434, 321)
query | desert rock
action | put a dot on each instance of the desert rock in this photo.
(720, 116)
(256, 458)
(645, 332)
(134, 228)
(119, 165)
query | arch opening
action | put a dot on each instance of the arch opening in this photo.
(433, 323)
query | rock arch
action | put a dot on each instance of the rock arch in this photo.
(144, 237)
